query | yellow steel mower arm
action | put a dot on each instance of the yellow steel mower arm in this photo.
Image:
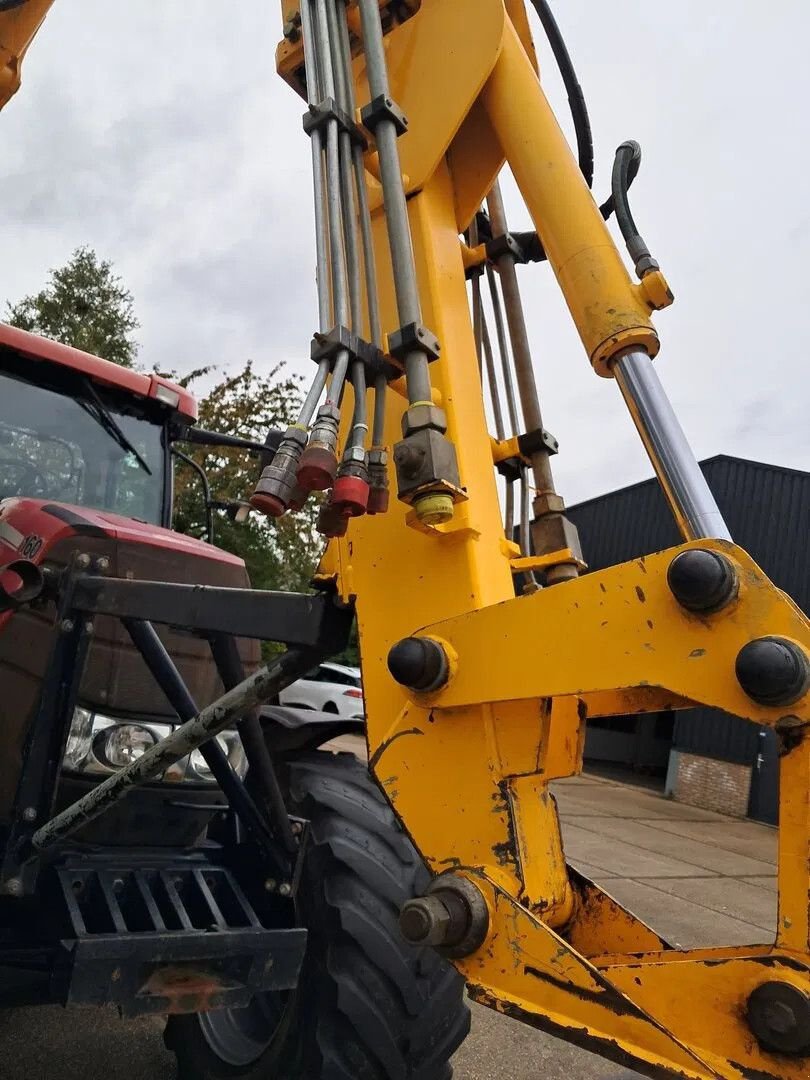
(476, 699)
(19, 22)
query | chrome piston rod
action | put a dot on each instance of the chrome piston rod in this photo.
(690, 499)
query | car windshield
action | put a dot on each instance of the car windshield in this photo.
(71, 450)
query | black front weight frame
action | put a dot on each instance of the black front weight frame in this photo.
(312, 626)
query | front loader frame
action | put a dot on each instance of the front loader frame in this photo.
(132, 925)
(467, 767)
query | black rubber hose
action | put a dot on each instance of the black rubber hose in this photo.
(625, 168)
(576, 98)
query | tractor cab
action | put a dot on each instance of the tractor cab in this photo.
(82, 431)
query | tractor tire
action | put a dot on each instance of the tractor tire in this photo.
(368, 1005)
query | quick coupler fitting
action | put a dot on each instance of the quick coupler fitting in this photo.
(351, 491)
(278, 480)
(331, 523)
(318, 466)
(379, 495)
(298, 499)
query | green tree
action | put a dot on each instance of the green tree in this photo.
(84, 304)
(281, 554)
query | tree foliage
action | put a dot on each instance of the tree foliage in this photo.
(281, 554)
(84, 304)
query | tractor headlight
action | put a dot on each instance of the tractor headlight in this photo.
(100, 745)
(121, 744)
(231, 745)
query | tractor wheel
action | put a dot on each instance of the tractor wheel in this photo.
(368, 1006)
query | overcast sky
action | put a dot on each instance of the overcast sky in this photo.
(156, 132)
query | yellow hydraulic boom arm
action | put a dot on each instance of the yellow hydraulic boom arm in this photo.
(19, 22)
(477, 698)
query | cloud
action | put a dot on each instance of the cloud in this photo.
(160, 135)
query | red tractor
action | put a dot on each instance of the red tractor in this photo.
(249, 889)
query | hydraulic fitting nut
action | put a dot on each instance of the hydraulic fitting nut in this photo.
(379, 497)
(548, 502)
(331, 523)
(354, 454)
(318, 466)
(278, 481)
(424, 415)
(378, 500)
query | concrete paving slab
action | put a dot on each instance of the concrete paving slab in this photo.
(593, 872)
(620, 800)
(768, 883)
(684, 922)
(651, 837)
(744, 837)
(730, 896)
(617, 857)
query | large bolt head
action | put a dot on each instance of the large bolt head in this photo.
(419, 664)
(779, 1016)
(773, 671)
(701, 580)
(424, 921)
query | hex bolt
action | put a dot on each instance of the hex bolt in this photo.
(66, 625)
(285, 889)
(29, 814)
(270, 885)
(424, 921)
(419, 663)
(14, 887)
(702, 581)
(773, 671)
(103, 564)
(778, 1013)
(83, 561)
(453, 917)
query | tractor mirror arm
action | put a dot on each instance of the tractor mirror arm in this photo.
(202, 437)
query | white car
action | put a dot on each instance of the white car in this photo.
(329, 687)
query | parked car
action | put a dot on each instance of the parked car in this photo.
(329, 687)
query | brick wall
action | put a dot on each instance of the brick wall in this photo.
(711, 784)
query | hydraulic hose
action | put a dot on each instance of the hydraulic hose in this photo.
(627, 162)
(576, 98)
(625, 168)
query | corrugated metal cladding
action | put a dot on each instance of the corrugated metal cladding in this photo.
(767, 509)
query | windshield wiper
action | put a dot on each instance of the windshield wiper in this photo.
(103, 416)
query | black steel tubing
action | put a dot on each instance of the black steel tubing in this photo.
(221, 714)
(165, 673)
(229, 665)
